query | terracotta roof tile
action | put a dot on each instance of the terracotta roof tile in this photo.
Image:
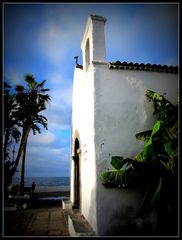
(143, 67)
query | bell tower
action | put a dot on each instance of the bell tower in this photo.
(93, 42)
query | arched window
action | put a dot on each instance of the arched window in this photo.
(87, 54)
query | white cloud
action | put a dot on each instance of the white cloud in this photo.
(49, 39)
(61, 96)
(56, 40)
(45, 138)
(56, 78)
(44, 154)
(47, 161)
(60, 35)
(13, 77)
(59, 118)
(57, 151)
(58, 111)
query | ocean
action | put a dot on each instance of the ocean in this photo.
(45, 181)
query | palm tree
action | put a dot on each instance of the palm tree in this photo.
(30, 102)
(11, 131)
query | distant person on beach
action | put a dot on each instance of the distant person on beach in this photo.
(33, 186)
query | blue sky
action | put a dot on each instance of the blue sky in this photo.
(43, 39)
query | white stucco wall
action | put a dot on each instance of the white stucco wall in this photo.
(121, 111)
(83, 123)
(109, 108)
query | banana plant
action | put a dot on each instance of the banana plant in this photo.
(155, 168)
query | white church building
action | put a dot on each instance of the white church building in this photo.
(109, 108)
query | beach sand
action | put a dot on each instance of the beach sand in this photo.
(40, 189)
(52, 191)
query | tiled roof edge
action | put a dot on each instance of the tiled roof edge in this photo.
(143, 67)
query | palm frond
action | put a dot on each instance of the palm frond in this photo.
(45, 90)
(41, 122)
(42, 117)
(16, 134)
(19, 88)
(40, 85)
(46, 97)
(6, 85)
(30, 80)
(35, 129)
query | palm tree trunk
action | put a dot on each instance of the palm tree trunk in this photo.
(6, 141)
(22, 172)
(7, 171)
(21, 148)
